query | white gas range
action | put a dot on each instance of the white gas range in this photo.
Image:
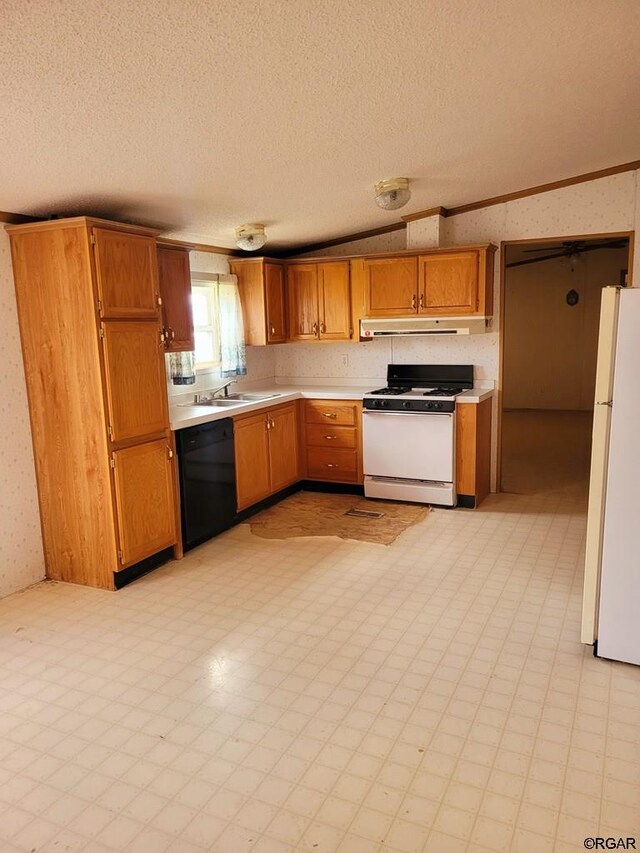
(408, 433)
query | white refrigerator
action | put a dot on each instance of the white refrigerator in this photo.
(611, 603)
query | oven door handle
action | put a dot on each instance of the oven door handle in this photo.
(408, 414)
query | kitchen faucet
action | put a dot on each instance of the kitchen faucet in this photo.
(209, 396)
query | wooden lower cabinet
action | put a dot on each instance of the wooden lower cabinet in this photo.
(266, 453)
(144, 493)
(251, 443)
(284, 463)
(333, 440)
(473, 452)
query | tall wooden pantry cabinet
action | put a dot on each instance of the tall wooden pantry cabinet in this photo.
(93, 346)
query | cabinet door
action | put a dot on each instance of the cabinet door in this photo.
(135, 378)
(449, 283)
(175, 290)
(127, 274)
(144, 492)
(391, 286)
(274, 298)
(302, 297)
(251, 442)
(335, 301)
(283, 447)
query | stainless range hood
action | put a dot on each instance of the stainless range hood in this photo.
(396, 326)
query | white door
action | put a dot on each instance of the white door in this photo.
(599, 460)
(619, 621)
(408, 446)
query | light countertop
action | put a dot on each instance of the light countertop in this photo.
(186, 415)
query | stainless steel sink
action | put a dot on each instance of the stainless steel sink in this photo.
(231, 400)
(221, 403)
(252, 398)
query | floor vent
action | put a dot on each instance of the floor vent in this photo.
(364, 513)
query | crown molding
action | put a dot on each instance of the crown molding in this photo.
(541, 188)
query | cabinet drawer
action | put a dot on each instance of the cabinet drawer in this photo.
(330, 412)
(327, 435)
(332, 464)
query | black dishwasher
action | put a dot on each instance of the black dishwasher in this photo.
(207, 480)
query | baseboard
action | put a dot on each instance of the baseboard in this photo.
(336, 488)
(466, 501)
(132, 573)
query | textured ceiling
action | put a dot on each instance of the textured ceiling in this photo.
(201, 116)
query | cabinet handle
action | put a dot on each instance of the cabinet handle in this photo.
(323, 328)
(173, 334)
(315, 328)
(422, 300)
(273, 424)
(330, 437)
(158, 299)
(163, 337)
(413, 301)
(273, 330)
(332, 465)
(332, 415)
(169, 454)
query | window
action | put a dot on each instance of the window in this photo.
(204, 303)
(217, 324)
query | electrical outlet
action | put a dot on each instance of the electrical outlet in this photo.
(345, 360)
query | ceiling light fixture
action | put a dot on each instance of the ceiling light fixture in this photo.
(250, 237)
(392, 193)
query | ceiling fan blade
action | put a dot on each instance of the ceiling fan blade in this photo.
(535, 260)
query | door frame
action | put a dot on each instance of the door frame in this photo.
(504, 244)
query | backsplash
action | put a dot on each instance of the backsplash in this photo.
(369, 359)
(260, 366)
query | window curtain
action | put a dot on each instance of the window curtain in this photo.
(233, 356)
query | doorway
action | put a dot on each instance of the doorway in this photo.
(551, 312)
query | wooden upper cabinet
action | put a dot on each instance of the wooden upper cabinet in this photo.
(127, 273)
(251, 444)
(143, 480)
(175, 289)
(391, 286)
(283, 447)
(334, 299)
(135, 379)
(302, 296)
(261, 284)
(448, 283)
(276, 318)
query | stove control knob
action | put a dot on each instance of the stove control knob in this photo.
(406, 404)
(437, 405)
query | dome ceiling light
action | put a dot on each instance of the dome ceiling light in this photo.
(392, 193)
(250, 237)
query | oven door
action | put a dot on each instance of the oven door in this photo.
(407, 445)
